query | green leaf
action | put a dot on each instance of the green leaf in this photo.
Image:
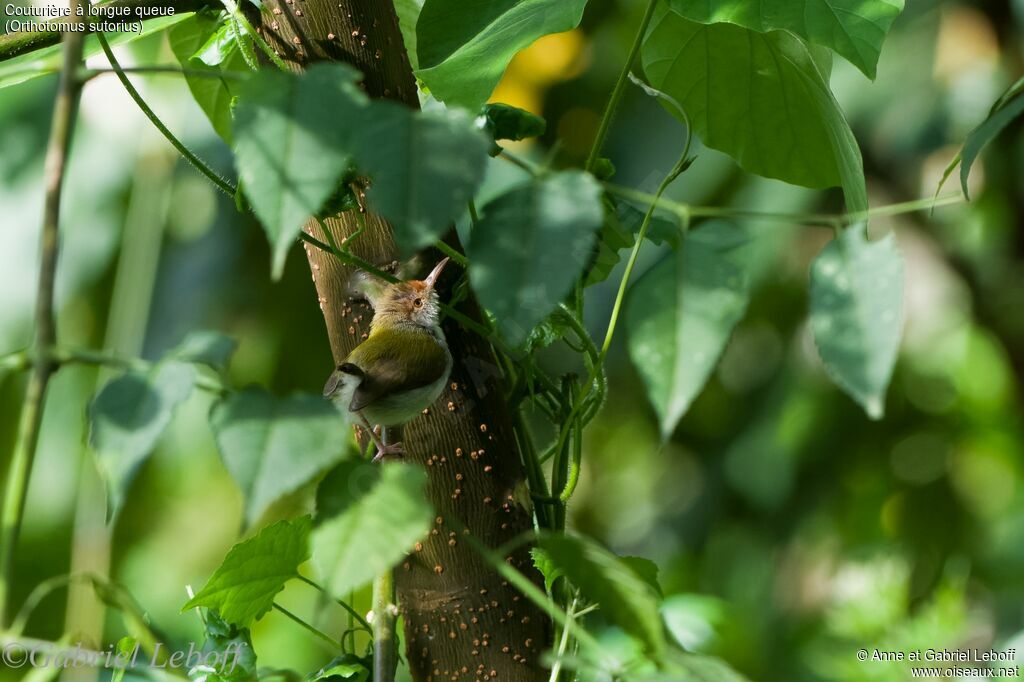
(297, 138)
(213, 95)
(855, 29)
(243, 588)
(221, 43)
(237, 658)
(128, 416)
(506, 122)
(857, 313)
(123, 652)
(613, 238)
(408, 12)
(1005, 110)
(680, 315)
(464, 48)
(697, 668)
(425, 167)
(380, 512)
(530, 246)
(344, 667)
(626, 599)
(603, 168)
(137, 623)
(47, 60)
(210, 348)
(758, 97)
(659, 231)
(542, 562)
(272, 446)
(293, 143)
(546, 333)
(646, 569)
(692, 619)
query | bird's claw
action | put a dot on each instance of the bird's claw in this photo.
(393, 451)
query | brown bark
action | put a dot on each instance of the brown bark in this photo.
(462, 620)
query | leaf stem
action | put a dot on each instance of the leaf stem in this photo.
(687, 211)
(236, 13)
(291, 616)
(351, 611)
(635, 253)
(159, 69)
(598, 368)
(197, 163)
(69, 94)
(36, 596)
(574, 464)
(58, 356)
(560, 466)
(385, 646)
(88, 74)
(564, 643)
(534, 473)
(452, 253)
(527, 166)
(244, 49)
(347, 257)
(620, 86)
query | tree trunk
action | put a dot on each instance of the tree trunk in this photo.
(462, 620)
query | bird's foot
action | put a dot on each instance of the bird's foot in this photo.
(393, 451)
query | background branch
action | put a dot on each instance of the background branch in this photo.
(64, 112)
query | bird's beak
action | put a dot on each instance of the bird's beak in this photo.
(431, 279)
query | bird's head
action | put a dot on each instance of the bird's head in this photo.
(413, 302)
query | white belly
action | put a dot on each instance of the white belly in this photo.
(392, 410)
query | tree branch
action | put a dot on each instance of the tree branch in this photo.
(64, 112)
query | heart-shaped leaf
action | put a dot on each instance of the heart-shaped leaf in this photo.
(464, 48)
(128, 416)
(506, 122)
(857, 313)
(213, 95)
(293, 142)
(626, 599)
(378, 513)
(758, 97)
(530, 246)
(1005, 110)
(237, 660)
(855, 29)
(272, 446)
(680, 315)
(425, 167)
(204, 347)
(243, 588)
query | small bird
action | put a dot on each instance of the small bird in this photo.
(402, 366)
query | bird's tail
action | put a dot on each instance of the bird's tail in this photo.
(337, 378)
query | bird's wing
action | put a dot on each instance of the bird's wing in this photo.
(394, 362)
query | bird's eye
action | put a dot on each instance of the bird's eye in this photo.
(418, 303)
